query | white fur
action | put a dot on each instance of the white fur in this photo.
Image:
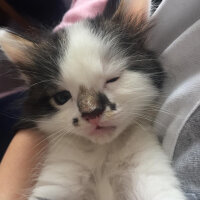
(77, 169)
(123, 164)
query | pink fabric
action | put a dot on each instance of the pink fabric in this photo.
(81, 9)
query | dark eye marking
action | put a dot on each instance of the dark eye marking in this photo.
(62, 97)
(112, 106)
(75, 121)
(112, 80)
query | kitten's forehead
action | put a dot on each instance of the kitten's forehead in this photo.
(86, 58)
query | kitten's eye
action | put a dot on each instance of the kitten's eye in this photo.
(62, 97)
(112, 80)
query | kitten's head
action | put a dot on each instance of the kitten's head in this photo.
(92, 79)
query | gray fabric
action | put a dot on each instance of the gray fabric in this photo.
(186, 159)
(172, 18)
(176, 38)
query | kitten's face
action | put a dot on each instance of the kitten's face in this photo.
(102, 96)
(93, 79)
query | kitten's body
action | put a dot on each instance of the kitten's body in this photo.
(93, 89)
(132, 167)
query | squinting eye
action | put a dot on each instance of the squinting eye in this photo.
(62, 97)
(112, 80)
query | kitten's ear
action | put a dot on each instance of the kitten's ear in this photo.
(128, 9)
(15, 47)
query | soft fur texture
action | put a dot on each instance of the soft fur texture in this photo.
(101, 141)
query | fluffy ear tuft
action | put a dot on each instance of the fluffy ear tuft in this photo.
(140, 9)
(15, 47)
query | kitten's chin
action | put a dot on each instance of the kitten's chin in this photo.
(102, 135)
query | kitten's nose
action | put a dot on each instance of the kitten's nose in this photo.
(91, 104)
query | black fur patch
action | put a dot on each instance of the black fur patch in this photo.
(75, 121)
(42, 73)
(112, 106)
(110, 8)
(130, 38)
(104, 99)
(45, 55)
(23, 124)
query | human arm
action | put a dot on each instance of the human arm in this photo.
(19, 164)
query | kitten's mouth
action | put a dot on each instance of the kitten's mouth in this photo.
(99, 127)
(105, 127)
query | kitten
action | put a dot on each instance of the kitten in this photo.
(93, 87)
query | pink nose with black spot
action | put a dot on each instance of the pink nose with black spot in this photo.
(94, 121)
(94, 116)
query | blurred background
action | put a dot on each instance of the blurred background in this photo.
(20, 15)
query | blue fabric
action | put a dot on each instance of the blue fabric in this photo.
(10, 110)
(42, 12)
